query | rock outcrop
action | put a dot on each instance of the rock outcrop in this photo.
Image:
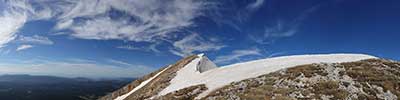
(205, 64)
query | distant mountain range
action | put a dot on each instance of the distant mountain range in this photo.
(28, 87)
(325, 76)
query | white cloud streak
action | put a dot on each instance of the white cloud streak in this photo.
(24, 47)
(149, 48)
(64, 24)
(117, 62)
(192, 43)
(237, 54)
(35, 39)
(129, 47)
(255, 5)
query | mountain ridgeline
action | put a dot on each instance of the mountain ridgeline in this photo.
(324, 76)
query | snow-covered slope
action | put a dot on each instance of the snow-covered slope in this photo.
(215, 78)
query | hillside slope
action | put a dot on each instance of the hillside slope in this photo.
(371, 79)
(196, 77)
(152, 87)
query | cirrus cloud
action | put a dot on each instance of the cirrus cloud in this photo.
(23, 47)
(192, 43)
(237, 54)
(12, 18)
(137, 20)
(35, 39)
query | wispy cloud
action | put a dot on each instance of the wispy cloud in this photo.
(12, 19)
(139, 21)
(283, 28)
(192, 43)
(245, 13)
(75, 69)
(119, 63)
(78, 60)
(129, 47)
(27, 42)
(236, 55)
(148, 48)
(64, 24)
(24, 47)
(234, 14)
(35, 39)
(152, 18)
(255, 5)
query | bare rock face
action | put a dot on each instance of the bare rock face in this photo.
(205, 64)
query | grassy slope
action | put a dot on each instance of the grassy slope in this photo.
(154, 86)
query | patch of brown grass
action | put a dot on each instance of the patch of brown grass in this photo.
(188, 93)
(308, 70)
(330, 87)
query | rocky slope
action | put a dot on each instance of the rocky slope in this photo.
(372, 79)
(332, 76)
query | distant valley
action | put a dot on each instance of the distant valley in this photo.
(28, 87)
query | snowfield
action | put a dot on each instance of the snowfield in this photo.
(122, 97)
(215, 78)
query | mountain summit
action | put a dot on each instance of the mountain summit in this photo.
(324, 76)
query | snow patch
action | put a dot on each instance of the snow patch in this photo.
(184, 77)
(218, 77)
(200, 55)
(122, 97)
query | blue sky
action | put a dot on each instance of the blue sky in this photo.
(129, 38)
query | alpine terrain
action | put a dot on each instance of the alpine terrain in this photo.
(322, 76)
